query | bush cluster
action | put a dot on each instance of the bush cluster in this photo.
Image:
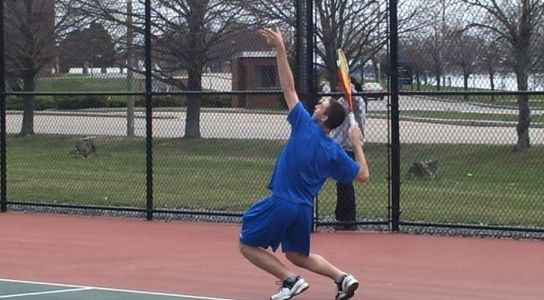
(104, 101)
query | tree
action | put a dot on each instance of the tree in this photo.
(441, 17)
(357, 27)
(91, 46)
(491, 57)
(183, 33)
(516, 22)
(463, 54)
(32, 28)
(241, 37)
(410, 50)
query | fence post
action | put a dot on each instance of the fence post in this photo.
(305, 66)
(148, 112)
(395, 125)
(304, 53)
(3, 176)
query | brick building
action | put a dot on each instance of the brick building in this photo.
(253, 71)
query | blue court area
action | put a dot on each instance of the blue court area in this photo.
(29, 290)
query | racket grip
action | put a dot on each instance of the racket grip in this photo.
(351, 118)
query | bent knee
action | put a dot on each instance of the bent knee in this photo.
(245, 249)
(297, 259)
(242, 247)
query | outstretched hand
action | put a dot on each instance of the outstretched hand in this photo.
(273, 37)
(355, 134)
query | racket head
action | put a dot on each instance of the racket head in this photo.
(343, 76)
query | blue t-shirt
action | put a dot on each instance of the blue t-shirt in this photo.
(308, 159)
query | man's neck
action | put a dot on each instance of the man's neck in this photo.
(325, 128)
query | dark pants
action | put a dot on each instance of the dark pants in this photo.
(345, 201)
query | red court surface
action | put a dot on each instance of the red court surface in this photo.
(203, 260)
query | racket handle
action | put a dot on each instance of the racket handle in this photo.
(351, 118)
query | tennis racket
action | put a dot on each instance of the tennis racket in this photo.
(345, 82)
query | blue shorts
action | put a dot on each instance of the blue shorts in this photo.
(272, 221)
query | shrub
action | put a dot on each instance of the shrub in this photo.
(87, 101)
(216, 101)
(40, 103)
(44, 103)
(163, 101)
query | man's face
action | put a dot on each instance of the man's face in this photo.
(321, 109)
(339, 87)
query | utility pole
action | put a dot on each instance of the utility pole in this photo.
(443, 42)
(3, 169)
(130, 72)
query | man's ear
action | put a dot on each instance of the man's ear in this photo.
(324, 118)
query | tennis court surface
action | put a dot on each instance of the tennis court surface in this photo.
(23, 290)
(52, 256)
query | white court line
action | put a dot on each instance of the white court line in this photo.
(45, 293)
(82, 287)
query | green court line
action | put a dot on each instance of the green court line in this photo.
(91, 291)
(44, 293)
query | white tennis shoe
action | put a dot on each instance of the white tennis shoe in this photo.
(345, 289)
(290, 289)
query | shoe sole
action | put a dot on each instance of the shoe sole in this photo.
(302, 290)
(304, 287)
(350, 291)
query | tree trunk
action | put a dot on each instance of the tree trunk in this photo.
(377, 70)
(27, 127)
(524, 117)
(522, 63)
(466, 75)
(192, 121)
(330, 56)
(195, 20)
(329, 45)
(438, 76)
(492, 84)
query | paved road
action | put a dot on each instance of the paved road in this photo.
(408, 103)
(264, 126)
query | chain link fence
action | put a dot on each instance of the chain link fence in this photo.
(172, 108)
(470, 143)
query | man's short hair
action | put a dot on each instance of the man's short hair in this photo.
(336, 114)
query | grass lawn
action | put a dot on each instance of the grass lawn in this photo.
(79, 83)
(476, 183)
(455, 115)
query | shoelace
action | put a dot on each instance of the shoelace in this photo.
(285, 286)
(339, 285)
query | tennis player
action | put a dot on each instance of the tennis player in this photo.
(308, 159)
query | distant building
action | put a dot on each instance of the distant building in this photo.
(255, 70)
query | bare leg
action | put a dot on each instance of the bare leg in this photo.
(266, 261)
(315, 263)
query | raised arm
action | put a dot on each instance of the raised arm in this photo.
(359, 110)
(274, 39)
(356, 136)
